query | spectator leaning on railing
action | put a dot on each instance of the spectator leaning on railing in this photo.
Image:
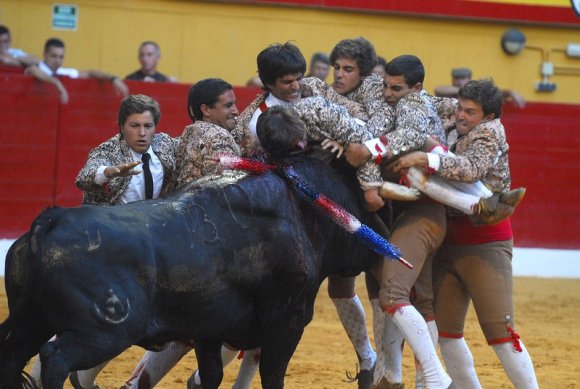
(50, 68)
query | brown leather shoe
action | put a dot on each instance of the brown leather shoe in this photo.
(502, 211)
(384, 384)
(513, 197)
(487, 205)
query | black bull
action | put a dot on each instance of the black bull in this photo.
(238, 262)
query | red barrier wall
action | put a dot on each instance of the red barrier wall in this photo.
(43, 144)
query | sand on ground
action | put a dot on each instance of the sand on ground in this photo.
(547, 315)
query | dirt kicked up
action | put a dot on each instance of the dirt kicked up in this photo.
(547, 318)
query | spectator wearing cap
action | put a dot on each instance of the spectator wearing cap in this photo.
(461, 76)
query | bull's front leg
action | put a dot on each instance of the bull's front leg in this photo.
(208, 354)
(277, 349)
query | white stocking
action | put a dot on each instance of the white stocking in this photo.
(248, 369)
(459, 362)
(353, 319)
(87, 378)
(432, 325)
(441, 190)
(156, 364)
(389, 343)
(517, 365)
(416, 332)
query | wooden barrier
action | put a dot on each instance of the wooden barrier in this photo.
(43, 144)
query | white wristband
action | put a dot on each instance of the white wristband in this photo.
(434, 161)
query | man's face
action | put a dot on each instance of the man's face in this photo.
(138, 131)
(224, 112)
(148, 57)
(54, 57)
(469, 115)
(395, 88)
(4, 43)
(287, 88)
(320, 70)
(346, 76)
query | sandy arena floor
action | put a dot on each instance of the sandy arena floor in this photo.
(547, 316)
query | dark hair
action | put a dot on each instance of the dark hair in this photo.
(208, 92)
(278, 60)
(319, 57)
(137, 104)
(408, 66)
(4, 30)
(279, 129)
(485, 93)
(53, 42)
(359, 49)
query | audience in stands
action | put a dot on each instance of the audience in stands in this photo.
(50, 69)
(149, 55)
(254, 82)
(461, 76)
(381, 66)
(10, 56)
(319, 66)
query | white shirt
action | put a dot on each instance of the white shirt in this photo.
(271, 101)
(69, 72)
(135, 191)
(16, 53)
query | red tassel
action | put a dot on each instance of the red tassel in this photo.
(515, 339)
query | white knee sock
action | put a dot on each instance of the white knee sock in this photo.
(517, 365)
(416, 332)
(35, 373)
(432, 325)
(87, 378)
(440, 190)
(389, 342)
(353, 319)
(459, 362)
(248, 369)
(157, 364)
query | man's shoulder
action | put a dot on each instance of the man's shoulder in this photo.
(136, 75)
(412, 101)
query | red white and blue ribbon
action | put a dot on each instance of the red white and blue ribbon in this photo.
(337, 213)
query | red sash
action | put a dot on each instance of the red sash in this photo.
(461, 232)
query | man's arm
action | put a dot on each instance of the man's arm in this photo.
(120, 87)
(35, 72)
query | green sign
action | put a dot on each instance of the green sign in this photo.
(65, 17)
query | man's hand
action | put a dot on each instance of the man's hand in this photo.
(334, 147)
(373, 200)
(357, 154)
(63, 93)
(416, 158)
(121, 88)
(122, 170)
